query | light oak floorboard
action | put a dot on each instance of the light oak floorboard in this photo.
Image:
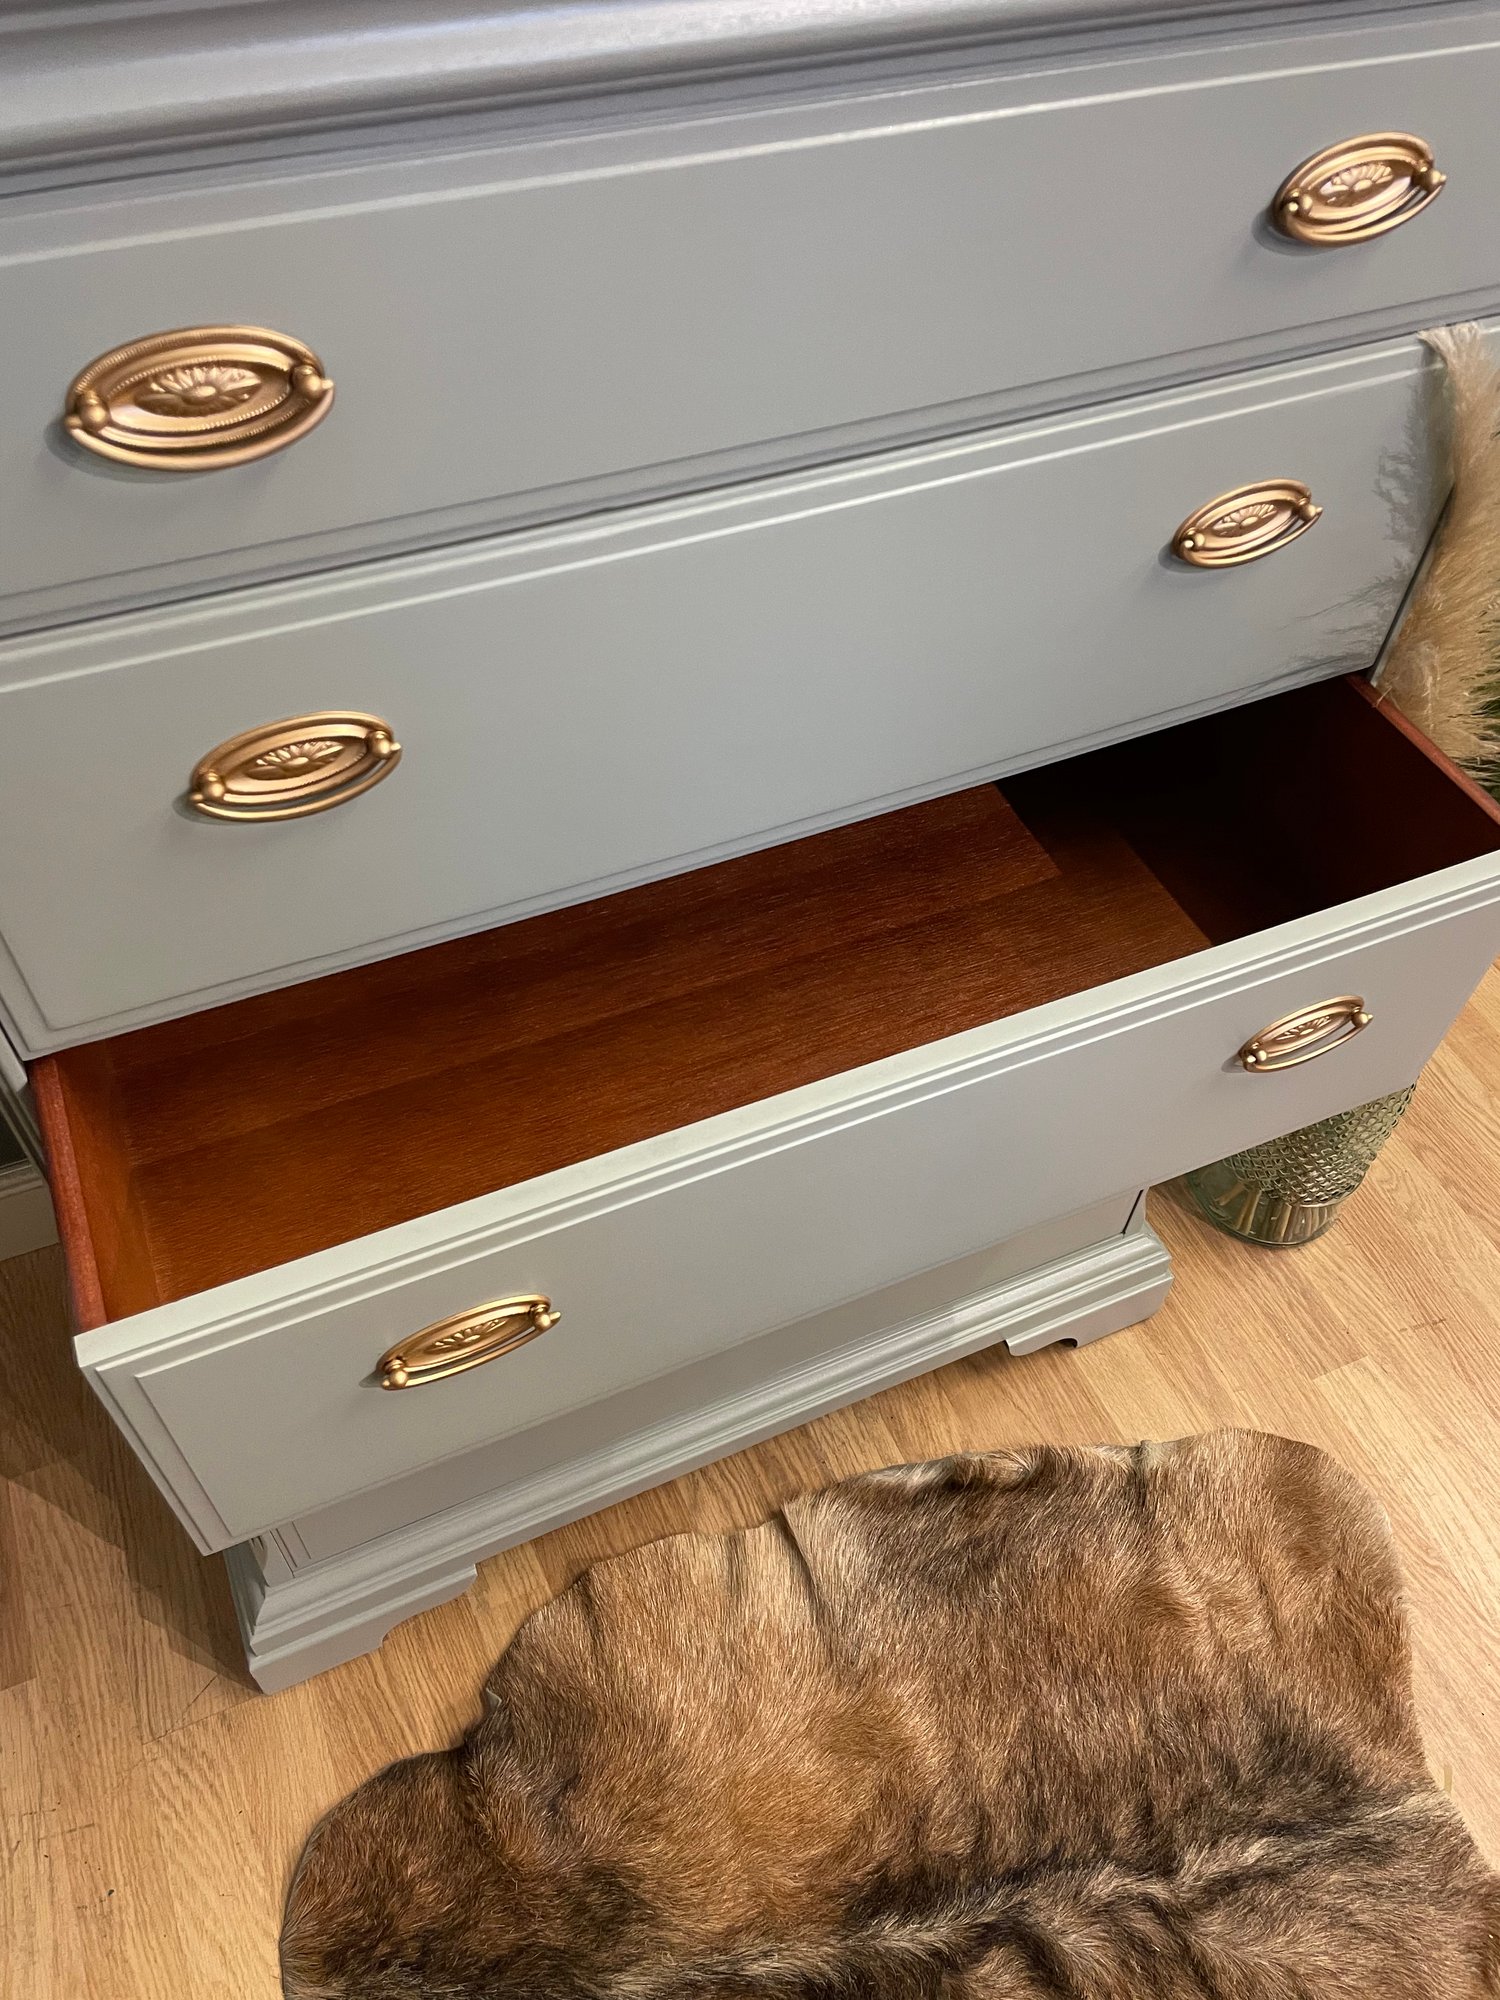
(151, 1802)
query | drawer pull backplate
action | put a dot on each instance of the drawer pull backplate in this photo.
(1313, 1031)
(284, 770)
(198, 398)
(1245, 524)
(1357, 189)
(465, 1341)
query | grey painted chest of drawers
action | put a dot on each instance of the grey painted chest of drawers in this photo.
(528, 539)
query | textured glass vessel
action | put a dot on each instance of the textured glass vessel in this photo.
(1289, 1190)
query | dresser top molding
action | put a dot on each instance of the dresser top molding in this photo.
(110, 79)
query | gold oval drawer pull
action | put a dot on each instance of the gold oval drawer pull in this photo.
(465, 1341)
(286, 769)
(1245, 524)
(198, 398)
(1358, 189)
(1313, 1031)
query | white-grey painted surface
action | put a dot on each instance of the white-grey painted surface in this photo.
(514, 320)
(729, 1379)
(586, 707)
(87, 80)
(26, 1219)
(704, 243)
(300, 1618)
(18, 1126)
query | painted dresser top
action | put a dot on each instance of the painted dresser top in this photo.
(109, 78)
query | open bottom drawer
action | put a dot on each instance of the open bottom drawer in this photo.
(701, 1109)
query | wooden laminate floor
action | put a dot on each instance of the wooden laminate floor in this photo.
(151, 1802)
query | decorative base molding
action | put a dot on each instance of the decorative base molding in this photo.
(333, 1613)
(26, 1219)
(299, 1618)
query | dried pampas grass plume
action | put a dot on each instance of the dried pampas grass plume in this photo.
(1442, 669)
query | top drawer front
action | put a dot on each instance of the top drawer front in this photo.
(527, 329)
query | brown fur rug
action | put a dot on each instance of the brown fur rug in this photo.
(1100, 1725)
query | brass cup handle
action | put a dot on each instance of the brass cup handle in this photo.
(1357, 189)
(1246, 523)
(1312, 1031)
(198, 398)
(467, 1340)
(285, 770)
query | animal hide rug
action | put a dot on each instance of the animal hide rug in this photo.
(1099, 1725)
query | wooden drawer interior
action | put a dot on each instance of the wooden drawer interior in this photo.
(200, 1150)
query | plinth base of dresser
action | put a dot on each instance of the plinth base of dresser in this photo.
(306, 1604)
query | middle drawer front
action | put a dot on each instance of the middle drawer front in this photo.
(581, 709)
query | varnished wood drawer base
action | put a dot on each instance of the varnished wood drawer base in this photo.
(712, 1106)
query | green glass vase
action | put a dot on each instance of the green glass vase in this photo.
(1290, 1189)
